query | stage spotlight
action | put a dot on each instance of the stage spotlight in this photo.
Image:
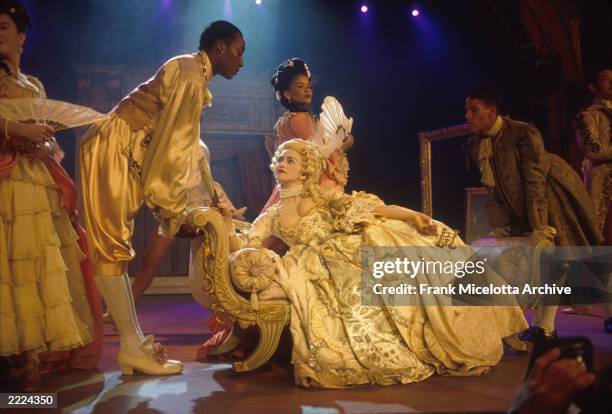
(415, 12)
(258, 2)
(364, 8)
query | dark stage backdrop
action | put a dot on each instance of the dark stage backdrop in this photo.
(396, 75)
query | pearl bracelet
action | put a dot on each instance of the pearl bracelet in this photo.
(6, 135)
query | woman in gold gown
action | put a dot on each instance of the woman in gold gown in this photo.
(337, 341)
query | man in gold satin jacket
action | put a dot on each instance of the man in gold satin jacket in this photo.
(531, 191)
(142, 152)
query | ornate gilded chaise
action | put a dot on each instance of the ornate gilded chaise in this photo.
(213, 287)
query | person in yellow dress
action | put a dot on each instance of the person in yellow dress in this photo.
(339, 341)
(140, 154)
(45, 312)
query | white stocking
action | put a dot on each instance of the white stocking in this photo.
(117, 295)
(128, 288)
(544, 317)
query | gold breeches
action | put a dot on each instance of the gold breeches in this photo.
(111, 160)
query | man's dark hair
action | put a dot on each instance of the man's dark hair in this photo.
(18, 13)
(486, 95)
(219, 29)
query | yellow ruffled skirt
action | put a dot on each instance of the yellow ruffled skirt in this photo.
(43, 302)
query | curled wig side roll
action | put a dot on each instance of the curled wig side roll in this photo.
(312, 165)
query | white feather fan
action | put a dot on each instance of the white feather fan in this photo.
(60, 115)
(334, 126)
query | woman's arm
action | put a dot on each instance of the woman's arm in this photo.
(226, 214)
(33, 132)
(261, 229)
(421, 221)
(396, 212)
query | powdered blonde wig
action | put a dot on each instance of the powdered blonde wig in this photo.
(311, 168)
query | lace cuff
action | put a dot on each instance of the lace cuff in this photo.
(247, 239)
(251, 236)
(351, 212)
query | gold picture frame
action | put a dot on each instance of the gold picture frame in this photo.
(425, 140)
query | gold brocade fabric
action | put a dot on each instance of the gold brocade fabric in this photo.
(43, 302)
(535, 188)
(143, 152)
(594, 136)
(337, 342)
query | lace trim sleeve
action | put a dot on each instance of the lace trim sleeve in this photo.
(351, 212)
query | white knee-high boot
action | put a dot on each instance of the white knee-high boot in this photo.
(136, 353)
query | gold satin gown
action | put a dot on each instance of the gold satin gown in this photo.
(338, 342)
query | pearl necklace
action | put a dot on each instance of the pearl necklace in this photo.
(292, 191)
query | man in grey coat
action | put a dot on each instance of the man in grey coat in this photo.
(531, 191)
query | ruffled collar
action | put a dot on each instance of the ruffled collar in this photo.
(497, 126)
(605, 103)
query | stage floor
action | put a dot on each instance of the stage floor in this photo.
(180, 324)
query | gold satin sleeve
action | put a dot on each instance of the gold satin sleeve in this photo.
(174, 137)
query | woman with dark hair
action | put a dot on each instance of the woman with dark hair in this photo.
(293, 89)
(144, 152)
(47, 294)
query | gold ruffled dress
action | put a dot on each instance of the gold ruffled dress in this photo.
(43, 301)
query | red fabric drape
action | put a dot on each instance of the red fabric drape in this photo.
(8, 159)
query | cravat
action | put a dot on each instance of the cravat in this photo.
(485, 153)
